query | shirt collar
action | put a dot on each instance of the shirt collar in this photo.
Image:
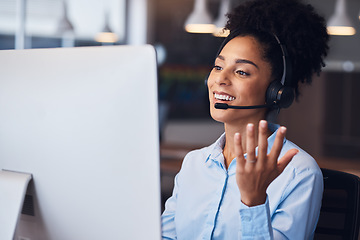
(216, 149)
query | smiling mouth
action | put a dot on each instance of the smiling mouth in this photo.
(223, 97)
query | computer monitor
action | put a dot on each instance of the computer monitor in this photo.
(84, 122)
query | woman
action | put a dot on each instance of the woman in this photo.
(252, 183)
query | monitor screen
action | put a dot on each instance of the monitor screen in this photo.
(84, 122)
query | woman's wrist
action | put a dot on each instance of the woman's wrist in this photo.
(252, 201)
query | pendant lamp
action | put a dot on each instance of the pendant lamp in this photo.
(20, 34)
(64, 25)
(200, 20)
(65, 28)
(106, 35)
(220, 22)
(339, 23)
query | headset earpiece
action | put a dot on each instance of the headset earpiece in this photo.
(279, 94)
(279, 91)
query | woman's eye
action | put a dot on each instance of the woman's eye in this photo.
(217, 67)
(240, 72)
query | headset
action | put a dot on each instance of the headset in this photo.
(279, 94)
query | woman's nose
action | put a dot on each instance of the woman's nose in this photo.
(222, 78)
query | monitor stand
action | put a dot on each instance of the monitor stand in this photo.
(13, 187)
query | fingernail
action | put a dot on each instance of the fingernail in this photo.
(283, 130)
(263, 124)
(250, 127)
(237, 135)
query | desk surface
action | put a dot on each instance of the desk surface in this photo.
(172, 156)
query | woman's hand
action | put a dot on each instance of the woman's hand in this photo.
(254, 174)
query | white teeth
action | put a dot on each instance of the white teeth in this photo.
(224, 97)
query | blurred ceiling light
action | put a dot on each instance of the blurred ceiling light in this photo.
(200, 20)
(65, 26)
(339, 23)
(220, 22)
(106, 35)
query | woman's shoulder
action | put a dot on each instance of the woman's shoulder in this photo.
(196, 155)
(302, 161)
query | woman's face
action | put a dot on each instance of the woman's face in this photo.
(240, 76)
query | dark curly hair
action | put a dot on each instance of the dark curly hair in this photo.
(298, 27)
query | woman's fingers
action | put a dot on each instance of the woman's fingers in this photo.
(278, 143)
(276, 149)
(263, 143)
(255, 173)
(238, 150)
(262, 158)
(250, 143)
(284, 161)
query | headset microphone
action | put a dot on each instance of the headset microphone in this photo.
(226, 106)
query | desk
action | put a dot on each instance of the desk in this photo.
(173, 155)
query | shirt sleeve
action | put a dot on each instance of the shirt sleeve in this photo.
(168, 216)
(255, 222)
(294, 218)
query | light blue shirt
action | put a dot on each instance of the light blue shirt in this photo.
(206, 199)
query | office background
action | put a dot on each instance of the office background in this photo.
(325, 122)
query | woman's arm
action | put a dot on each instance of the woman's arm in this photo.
(296, 215)
(168, 216)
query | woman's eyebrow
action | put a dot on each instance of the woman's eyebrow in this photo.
(240, 61)
(246, 61)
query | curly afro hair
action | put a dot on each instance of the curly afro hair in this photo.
(298, 27)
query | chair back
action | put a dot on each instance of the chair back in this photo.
(339, 215)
